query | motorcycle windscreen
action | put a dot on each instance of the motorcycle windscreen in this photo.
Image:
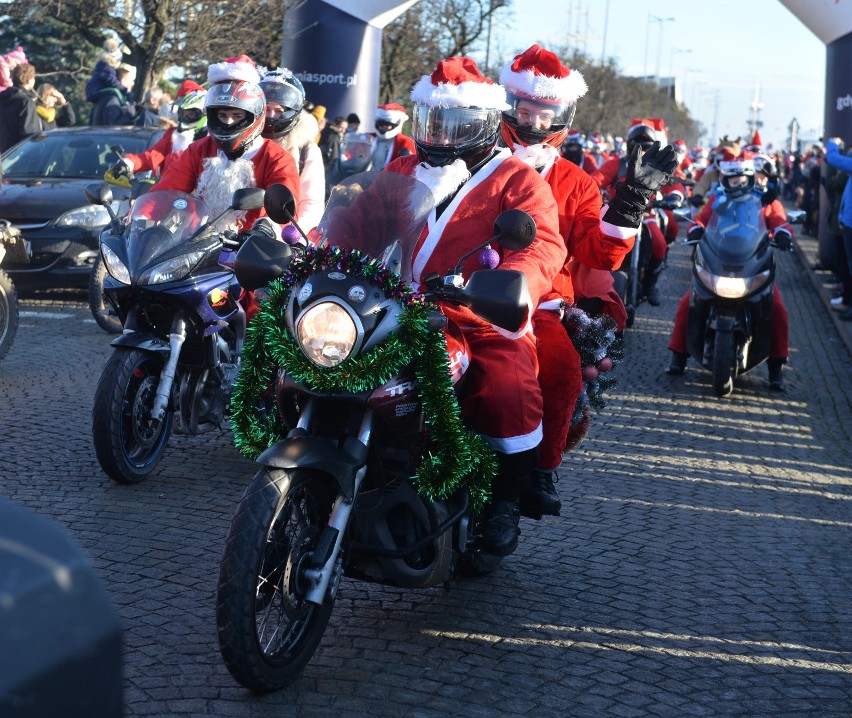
(735, 228)
(382, 214)
(162, 225)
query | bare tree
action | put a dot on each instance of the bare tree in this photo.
(165, 33)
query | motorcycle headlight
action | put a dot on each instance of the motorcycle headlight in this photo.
(114, 265)
(327, 334)
(92, 217)
(731, 287)
(172, 269)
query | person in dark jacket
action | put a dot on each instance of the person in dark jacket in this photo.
(113, 107)
(18, 114)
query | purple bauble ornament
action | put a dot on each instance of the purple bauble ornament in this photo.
(291, 235)
(489, 258)
(590, 373)
(605, 364)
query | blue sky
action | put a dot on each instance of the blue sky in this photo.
(722, 49)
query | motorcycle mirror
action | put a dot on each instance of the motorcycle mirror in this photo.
(248, 198)
(260, 260)
(514, 229)
(279, 203)
(99, 194)
(499, 296)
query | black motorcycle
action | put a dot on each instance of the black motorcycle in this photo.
(733, 275)
(347, 451)
(179, 353)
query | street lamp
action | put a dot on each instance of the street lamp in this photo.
(660, 20)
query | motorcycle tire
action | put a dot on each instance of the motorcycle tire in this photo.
(128, 443)
(723, 363)
(267, 631)
(97, 304)
(8, 313)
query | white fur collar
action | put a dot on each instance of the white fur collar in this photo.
(305, 132)
(182, 140)
(442, 181)
(537, 156)
(219, 179)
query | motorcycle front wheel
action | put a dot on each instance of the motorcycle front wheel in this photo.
(128, 442)
(97, 305)
(267, 630)
(723, 363)
(8, 313)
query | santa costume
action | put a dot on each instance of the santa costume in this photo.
(592, 236)
(391, 144)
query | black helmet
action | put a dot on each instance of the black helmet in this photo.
(282, 88)
(445, 134)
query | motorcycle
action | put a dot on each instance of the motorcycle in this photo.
(343, 487)
(629, 278)
(733, 275)
(173, 365)
(17, 248)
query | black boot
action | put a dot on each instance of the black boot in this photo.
(678, 365)
(652, 274)
(776, 381)
(500, 533)
(541, 499)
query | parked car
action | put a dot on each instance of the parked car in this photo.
(44, 178)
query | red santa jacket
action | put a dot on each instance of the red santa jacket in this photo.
(504, 182)
(402, 142)
(158, 155)
(588, 239)
(774, 216)
(272, 165)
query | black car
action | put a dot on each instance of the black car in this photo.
(44, 178)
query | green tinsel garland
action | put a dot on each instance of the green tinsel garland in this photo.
(459, 456)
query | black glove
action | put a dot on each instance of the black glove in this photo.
(695, 233)
(697, 200)
(646, 173)
(783, 240)
(120, 169)
(770, 194)
(264, 225)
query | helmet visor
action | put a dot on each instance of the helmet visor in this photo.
(540, 113)
(453, 127)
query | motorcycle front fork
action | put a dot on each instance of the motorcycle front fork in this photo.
(167, 377)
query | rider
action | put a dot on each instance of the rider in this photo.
(574, 151)
(390, 142)
(542, 94)
(234, 155)
(643, 133)
(295, 130)
(456, 126)
(191, 126)
(740, 177)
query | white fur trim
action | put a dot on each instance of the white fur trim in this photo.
(612, 230)
(516, 444)
(537, 156)
(218, 181)
(182, 140)
(565, 89)
(392, 116)
(468, 94)
(229, 71)
(442, 181)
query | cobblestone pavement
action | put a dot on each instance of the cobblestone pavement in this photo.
(700, 568)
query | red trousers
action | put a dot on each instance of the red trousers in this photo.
(561, 382)
(501, 398)
(658, 241)
(779, 326)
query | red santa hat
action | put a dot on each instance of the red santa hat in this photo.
(538, 74)
(188, 86)
(240, 68)
(392, 112)
(457, 82)
(574, 137)
(656, 125)
(756, 141)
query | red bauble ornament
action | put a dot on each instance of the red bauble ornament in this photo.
(605, 364)
(590, 373)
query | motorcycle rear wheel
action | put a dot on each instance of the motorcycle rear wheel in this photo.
(128, 443)
(97, 305)
(8, 313)
(723, 363)
(267, 631)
